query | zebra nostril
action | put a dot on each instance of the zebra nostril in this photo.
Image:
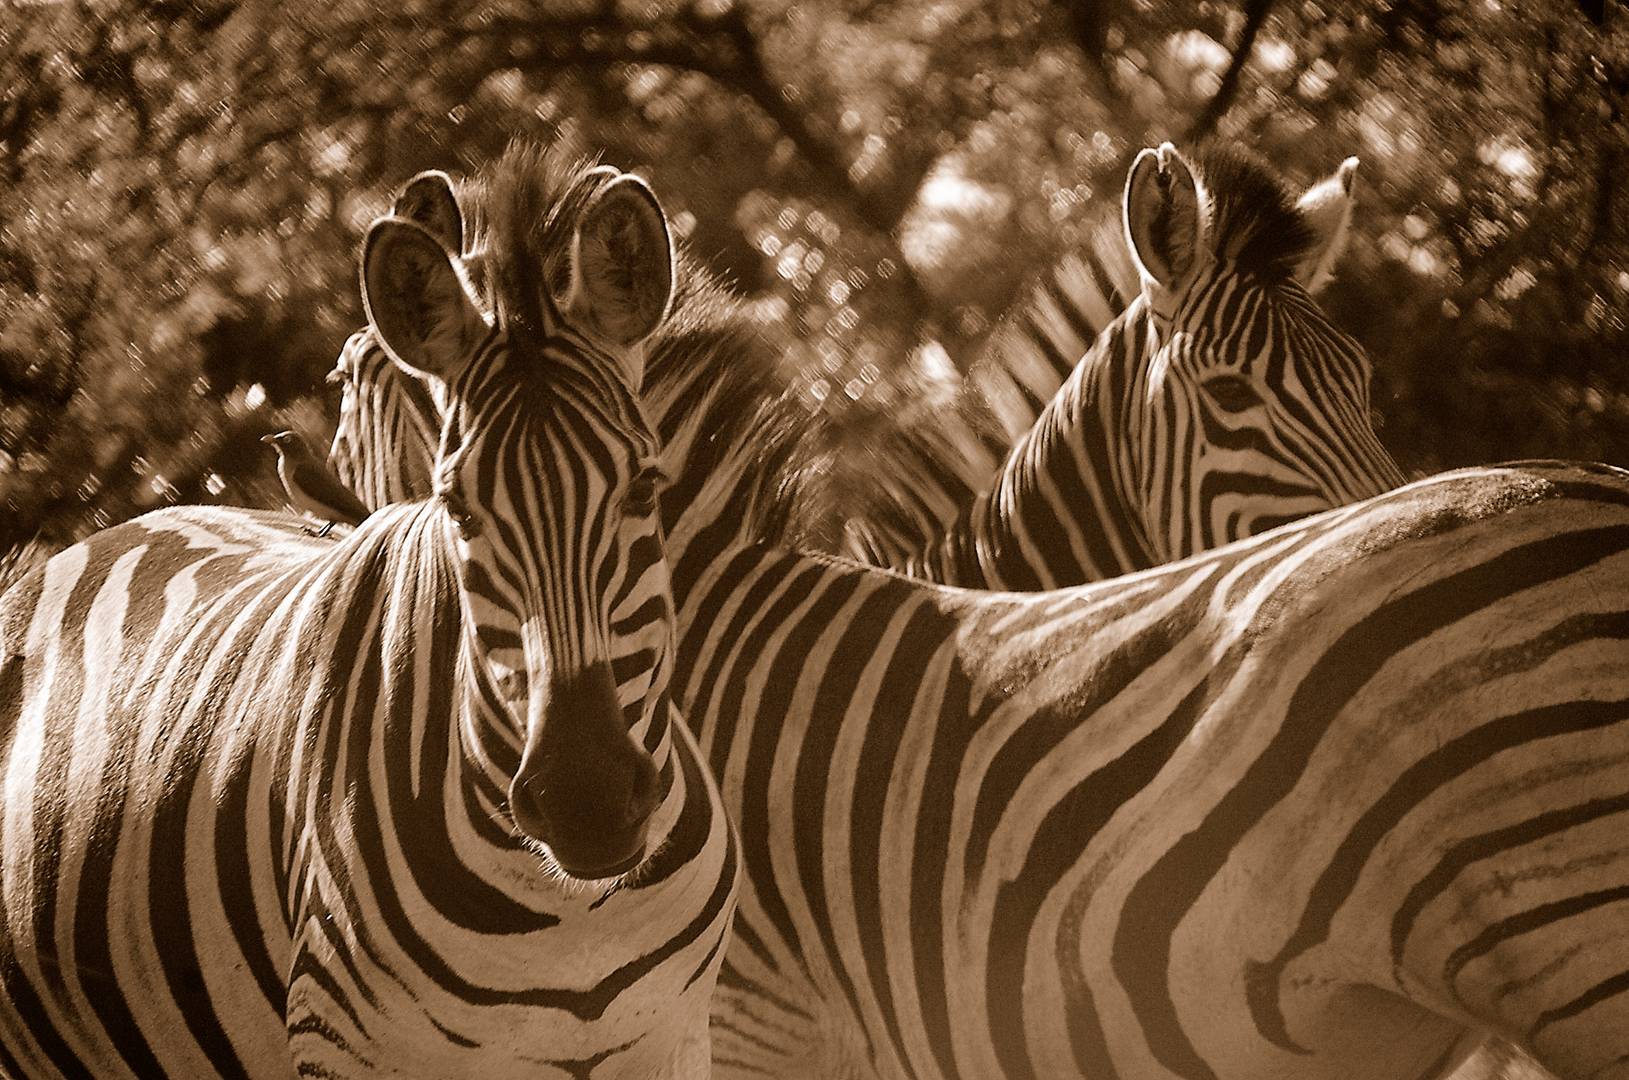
(643, 791)
(526, 804)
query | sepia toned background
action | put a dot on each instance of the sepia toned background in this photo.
(183, 185)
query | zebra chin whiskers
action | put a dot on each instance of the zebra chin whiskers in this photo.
(639, 874)
(569, 884)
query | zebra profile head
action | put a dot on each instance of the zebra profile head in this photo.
(380, 399)
(546, 474)
(1255, 408)
(390, 421)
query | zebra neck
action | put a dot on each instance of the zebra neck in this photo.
(414, 688)
(731, 489)
(1059, 512)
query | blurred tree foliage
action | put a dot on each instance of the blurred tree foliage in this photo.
(183, 184)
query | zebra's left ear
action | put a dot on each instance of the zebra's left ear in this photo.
(1327, 208)
(1166, 216)
(622, 266)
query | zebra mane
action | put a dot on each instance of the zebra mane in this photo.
(736, 439)
(1255, 221)
(22, 559)
(953, 434)
(521, 212)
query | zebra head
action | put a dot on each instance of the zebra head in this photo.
(389, 421)
(1254, 407)
(381, 404)
(545, 471)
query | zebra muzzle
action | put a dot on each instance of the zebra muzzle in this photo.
(585, 789)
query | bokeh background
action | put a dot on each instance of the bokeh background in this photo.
(183, 186)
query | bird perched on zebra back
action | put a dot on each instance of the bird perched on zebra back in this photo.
(311, 486)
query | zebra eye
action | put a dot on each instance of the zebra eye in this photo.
(459, 511)
(1233, 393)
(640, 498)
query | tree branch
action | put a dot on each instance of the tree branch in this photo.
(724, 49)
(1088, 22)
(721, 47)
(1255, 14)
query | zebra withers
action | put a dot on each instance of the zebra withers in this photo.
(417, 803)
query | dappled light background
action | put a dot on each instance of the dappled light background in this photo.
(183, 186)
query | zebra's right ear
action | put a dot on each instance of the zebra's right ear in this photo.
(415, 300)
(429, 200)
(1327, 208)
(1165, 215)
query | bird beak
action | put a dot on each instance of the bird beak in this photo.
(270, 440)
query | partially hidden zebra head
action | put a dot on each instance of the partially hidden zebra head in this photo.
(389, 423)
(546, 474)
(1257, 407)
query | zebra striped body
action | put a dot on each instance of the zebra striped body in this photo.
(1306, 806)
(1239, 816)
(897, 754)
(275, 804)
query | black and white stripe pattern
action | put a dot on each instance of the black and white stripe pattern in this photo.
(408, 414)
(1221, 402)
(281, 805)
(1329, 803)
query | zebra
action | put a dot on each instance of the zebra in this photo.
(1038, 525)
(413, 803)
(1212, 407)
(1318, 803)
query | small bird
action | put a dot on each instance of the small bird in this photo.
(312, 487)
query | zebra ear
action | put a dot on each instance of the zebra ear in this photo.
(429, 200)
(1164, 215)
(415, 300)
(1327, 207)
(622, 264)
